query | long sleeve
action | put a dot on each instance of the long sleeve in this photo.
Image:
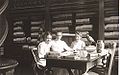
(83, 45)
(43, 48)
(41, 51)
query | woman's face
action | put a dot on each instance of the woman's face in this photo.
(77, 37)
(48, 38)
(59, 35)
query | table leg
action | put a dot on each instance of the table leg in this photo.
(89, 65)
(80, 72)
(70, 72)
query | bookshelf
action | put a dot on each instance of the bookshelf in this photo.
(18, 32)
(61, 22)
(98, 17)
(36, 29)
(111, 19)
(67, 16)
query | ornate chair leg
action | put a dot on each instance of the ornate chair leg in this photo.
(34, 66)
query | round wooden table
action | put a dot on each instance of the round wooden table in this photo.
(7, 66)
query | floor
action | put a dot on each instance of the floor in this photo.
(24, 70)
(27, 70)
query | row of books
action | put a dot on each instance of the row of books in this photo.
(114, 19)
(26, 47)
(18, 28)
(18, 23)
(36, 22)
(78, 16)
(23, 40)
(78, 21)
(63, 29)
(19, 40)
(111, 34)
(84, 28)
(36, 30)
(35, 34)
(62, 22)
(62, 16)
(112, 27)
(18, 32)
(83, 21)
(34, 41)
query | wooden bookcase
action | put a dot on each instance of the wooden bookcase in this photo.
(67, 16)
(111, 21)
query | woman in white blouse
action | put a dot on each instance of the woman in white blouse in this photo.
(79, 46)
(43, 48)
(60, 46)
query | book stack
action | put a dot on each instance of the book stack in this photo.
(111, 34)
(36, 31)
(84, 28)
(52, 54)
(111, 29)
(61, 22)
(18, 32)
(83, 25)
(111, 10)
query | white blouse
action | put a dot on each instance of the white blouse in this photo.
(43, 48)
(78, 45)
(59, 46)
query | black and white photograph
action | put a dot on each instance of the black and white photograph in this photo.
(59, 37)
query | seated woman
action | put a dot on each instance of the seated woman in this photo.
(60, 46)
(43, 48)
(78, 46)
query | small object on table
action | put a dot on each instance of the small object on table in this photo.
(90, 48)
(100, 46)
(73, 57)
(52, 54)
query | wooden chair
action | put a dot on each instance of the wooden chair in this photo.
(36, 63)
(104, 69)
